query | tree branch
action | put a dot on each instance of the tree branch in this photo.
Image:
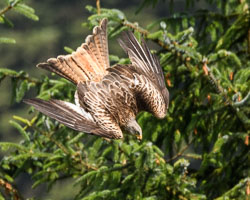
(9, 7)
(144, 32)
(180, 153)
(214, 82)
(10, 189)
(64, 149)
(98, 7)
(6, 9)
(243, 101)
(248, 41)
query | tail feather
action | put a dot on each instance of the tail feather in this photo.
(92, 61)
(98, 44)
(76, 71)
(88, 63)
(54, 65)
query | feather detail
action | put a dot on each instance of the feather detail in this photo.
(144, 62)
(142, 58)
(111, 98)
(88, 63)
(71, 116)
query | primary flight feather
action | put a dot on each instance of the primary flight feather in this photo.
(107, 99)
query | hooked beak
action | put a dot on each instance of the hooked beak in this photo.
(139, 137)
(134, 129)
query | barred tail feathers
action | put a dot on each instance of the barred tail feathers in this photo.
(88, 63)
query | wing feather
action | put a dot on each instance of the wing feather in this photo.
(115, 101)
(96, 102)
(88, 63)
(144, 62)
(71, 116)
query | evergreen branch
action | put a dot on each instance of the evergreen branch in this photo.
(9, 7)
(191, 156)
(82, 162)
(64, 149)
(6, 9)
(144, 32)
(135, 26)
(98, 7)
(187, 64)
(241, 116)
(212, 112)
(248, 41)
(10, 189)
(61, 146)
(19, 75)
(209, 15)
(243, 101)
(29, 79)
(180, 153)
(118, 168)
(243, 183)
(214, 82)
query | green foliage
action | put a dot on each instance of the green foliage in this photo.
(26, 11)
(7, 40)
(199, 151)
(16, 6)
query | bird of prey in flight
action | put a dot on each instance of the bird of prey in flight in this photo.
(107, 99)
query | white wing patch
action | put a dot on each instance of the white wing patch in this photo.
(78, 108)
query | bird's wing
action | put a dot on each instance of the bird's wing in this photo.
(71, 116)
(148, 96)
(144, 62)
(88, 63)
(110, 102)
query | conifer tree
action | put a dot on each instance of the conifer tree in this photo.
(205, 56)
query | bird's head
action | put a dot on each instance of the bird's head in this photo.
(133, 128)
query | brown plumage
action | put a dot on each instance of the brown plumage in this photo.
(107, 99)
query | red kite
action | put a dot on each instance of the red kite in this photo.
(107, 99)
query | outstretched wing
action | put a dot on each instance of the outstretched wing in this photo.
(71, 116)
(144, 62)
(88, 63)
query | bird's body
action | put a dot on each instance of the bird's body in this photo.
(107, 99)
